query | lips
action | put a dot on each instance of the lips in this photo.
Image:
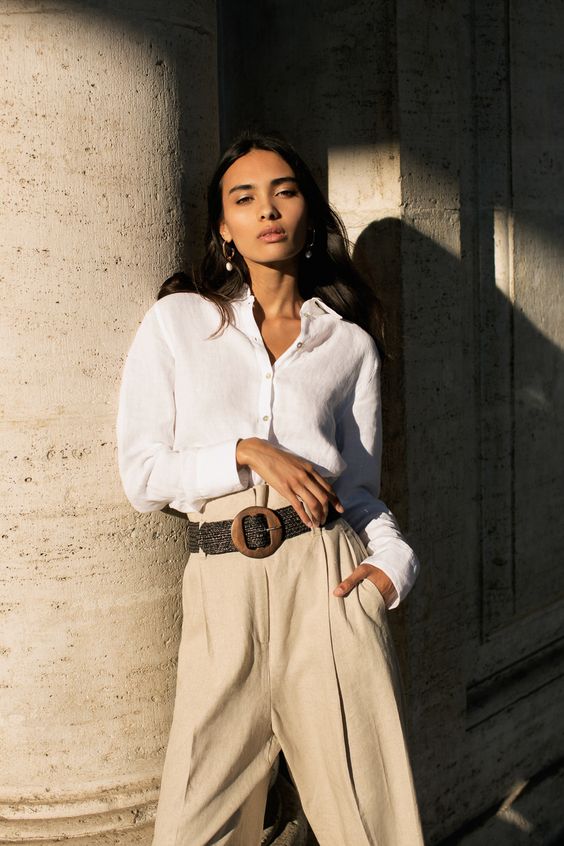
(272, 233)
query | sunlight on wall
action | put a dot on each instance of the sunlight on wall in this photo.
(503, 232)
(364, 183)
(94, 139)
(516, 819)
(510, 815)
(528, 262)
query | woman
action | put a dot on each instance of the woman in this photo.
(255, 385)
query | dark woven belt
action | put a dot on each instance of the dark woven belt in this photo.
(256, 531)
(216, 538)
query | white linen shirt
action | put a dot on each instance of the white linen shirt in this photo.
(186, 399)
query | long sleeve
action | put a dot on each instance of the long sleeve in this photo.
(153, 472)
(359, 437)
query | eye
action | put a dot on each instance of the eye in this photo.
(287, 192)
(242, 200)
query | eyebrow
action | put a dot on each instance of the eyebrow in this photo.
(277, 181)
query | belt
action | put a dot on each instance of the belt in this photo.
(257, 532)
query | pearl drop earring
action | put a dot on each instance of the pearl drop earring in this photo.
(228, 255)
(309, 250)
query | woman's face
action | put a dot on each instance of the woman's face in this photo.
(264, 211)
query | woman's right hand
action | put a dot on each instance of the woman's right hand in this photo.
(292, 476)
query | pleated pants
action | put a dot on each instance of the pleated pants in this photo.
(270, 659)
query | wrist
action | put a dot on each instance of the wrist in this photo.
(384, 584)
(244, 451)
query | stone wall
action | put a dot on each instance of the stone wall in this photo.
(435, 128)
(107, 138)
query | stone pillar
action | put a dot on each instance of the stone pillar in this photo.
(109, 136)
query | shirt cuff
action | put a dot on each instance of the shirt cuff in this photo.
(402, 579)
(217, 473)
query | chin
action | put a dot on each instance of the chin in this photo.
(270, 256)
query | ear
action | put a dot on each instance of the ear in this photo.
(224, 231)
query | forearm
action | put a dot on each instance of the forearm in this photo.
(291, 475)
(246, 451)
(155, 475)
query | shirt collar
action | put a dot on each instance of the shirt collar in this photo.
(314, 307)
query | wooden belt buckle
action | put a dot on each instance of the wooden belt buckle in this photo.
(273, 526)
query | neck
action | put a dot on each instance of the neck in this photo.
(275, 290)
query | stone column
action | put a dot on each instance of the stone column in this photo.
(109, 134)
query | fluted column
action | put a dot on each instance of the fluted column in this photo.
(109, 130)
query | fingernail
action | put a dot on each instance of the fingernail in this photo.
(339, 591)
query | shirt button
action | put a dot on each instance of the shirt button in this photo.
(268, 376)
(299, 344)
(266, 417)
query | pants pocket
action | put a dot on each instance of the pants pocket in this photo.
(369, 596)
(372, 601)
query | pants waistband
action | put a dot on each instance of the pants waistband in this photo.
(226, 507)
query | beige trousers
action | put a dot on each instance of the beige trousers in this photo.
(269, 659)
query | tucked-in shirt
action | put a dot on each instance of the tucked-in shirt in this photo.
(187, 398)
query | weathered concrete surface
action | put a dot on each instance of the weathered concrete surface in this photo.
(463, 239)
(482, 322)
(436, 128)
(106, 142)
(525, 816)
(324, 76)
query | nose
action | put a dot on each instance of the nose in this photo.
(268, 210)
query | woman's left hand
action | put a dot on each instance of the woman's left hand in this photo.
(368, 571)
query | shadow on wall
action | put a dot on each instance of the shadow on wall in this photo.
(496, 379)
(321, 74)
(461, 348)
(172, 53)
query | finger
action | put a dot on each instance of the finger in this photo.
(317, 500)
(321, 481)
(324, 492)
(299, 509)
(353, 580)
(312, 502)
(337, 504)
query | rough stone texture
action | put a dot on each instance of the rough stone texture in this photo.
(108, 134)
(461, 234)
(322, 75)
(525, 817)
(436, 128)
(482, 318)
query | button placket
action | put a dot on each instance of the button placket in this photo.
(264, 411)
(264, 415)
(292, 350)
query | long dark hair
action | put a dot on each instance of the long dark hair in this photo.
(329, 274)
